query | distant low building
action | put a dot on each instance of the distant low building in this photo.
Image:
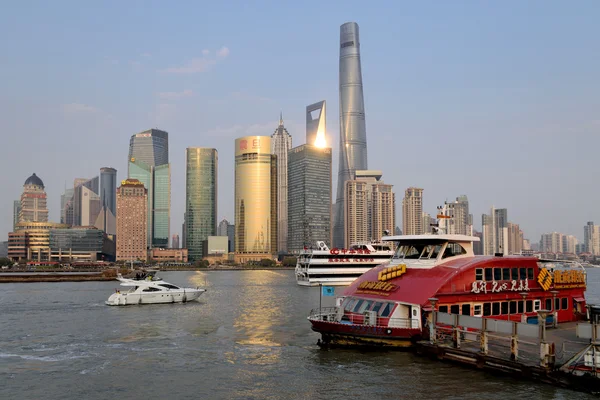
(168, 255)
(81, 244)
(3, 249)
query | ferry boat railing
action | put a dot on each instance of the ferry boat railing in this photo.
(336, 314)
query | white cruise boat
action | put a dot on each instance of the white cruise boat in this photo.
(339, 267)
(148, 289)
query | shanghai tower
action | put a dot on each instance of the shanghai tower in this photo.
(353, 132)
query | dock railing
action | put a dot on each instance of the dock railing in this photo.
(464, 330)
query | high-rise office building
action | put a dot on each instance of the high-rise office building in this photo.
(316, 122)
(412, 212)
(255, 199)
(66, 202)
(33, 201)
(591, 238)
(231, 237)
(370, 208)
(515, 239)
(86, 202)
(200, 198)
(175, 241)
(487, 234)
(309, 194)
(353, 132)
(281, 143)
(108, 189)
(495, 232)
(460, 222)
(132, 226)
(150, 147)
(222, 228)
(16, 211)
(149, 163)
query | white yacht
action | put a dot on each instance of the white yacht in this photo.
(148, 289)
(339, 267)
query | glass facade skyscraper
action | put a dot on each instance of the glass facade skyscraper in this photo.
(255, 198)
(108, 188)
(200, 198)
(149, 163)
(309, 194)
(281, 143)
(353, 131)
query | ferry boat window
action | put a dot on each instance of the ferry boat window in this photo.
(536, 305)
(497, 274)
(515, 273)
(478, 274)
(455, 309)
(387, 310)
(488, 274)
(357, 306)
(548, 304)
(565, 303)
(466, 309)
(495, 308)
(530, 273)
(477, 310)
(506, 274)
(557, 304)
(377, 306)
(443, 309)
(365, 306)
(529, 306)
(504, 308)
(513, 307)
(522, 273)
(521, 308)
(436, 251)
(348, 303)
(487, 309)
(453, 249)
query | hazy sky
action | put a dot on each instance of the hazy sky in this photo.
(496, 100)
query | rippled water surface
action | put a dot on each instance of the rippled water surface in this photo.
(247, 337)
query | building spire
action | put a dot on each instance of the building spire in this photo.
(280, 118)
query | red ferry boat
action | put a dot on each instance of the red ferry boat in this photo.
(389, 305)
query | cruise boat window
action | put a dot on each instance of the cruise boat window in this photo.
(487, 309)
(466, 309)
(357, 306)
(565, 303)
(497, 274)
(548, 304)
(506, 274)
(557, 304)
(488, 274)
(365, 306)
(387, 310)
(521, 308)
(504, 310)
(443, 309)
(529, 306)
(478, 274)
(536, 305)
(477, 310)
(377, 306)
(522, 273)
(513, 307)
(530, 273)
(514, 273)
(495, 308)
(455, 309)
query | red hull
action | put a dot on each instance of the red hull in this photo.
(339, 334)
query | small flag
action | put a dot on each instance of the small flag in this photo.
(328, 291)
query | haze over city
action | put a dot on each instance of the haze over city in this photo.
(496, 102)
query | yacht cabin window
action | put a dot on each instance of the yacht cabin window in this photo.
(151, 289)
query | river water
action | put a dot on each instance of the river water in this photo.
(247, 338)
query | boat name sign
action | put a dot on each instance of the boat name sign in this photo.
(512, 286)
(336, 251)
(351, 260)
(383, 288)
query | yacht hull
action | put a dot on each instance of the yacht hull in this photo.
(179, 296)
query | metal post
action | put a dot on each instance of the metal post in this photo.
(484, 338)
(544, 348)
(456, 333)
(432, 332)
(514, 343)
(320, 301)
(554, 312)
(524, 316)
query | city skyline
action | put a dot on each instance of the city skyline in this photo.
(410, 101)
